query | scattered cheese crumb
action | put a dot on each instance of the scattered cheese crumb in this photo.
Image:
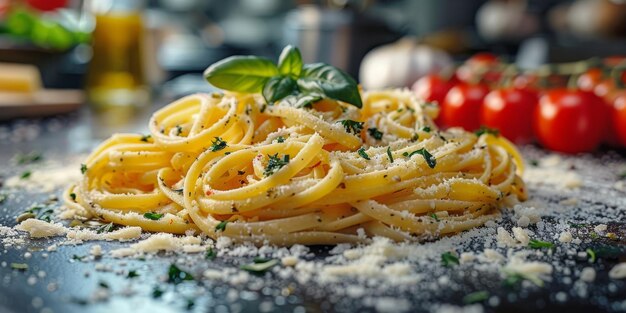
(123, 234)
(40, 229)
(618, 271)
(161, 242)
(289, 260)
(565, 237)
(504, 239)
(521, 235)
(600, 228)
(96, 250)
(588, 274)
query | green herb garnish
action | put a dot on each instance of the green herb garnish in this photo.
(426, 129)
(221, 226)
(533, 162)
(475, 297)
(351, 126)
(591, 254)
(103, 284)
(132, 274)
(362, 153)
(389, 155)
(106, 228)
(280, 139)
(83, 168)
(176, 276)
(73, 196)
(375, 133)
(538, 244)
(3, 197)
(430, 160)
(19, 266)
(28, 158)
(39, 212)
(145, 138)
(179, 130)
(275, 163)
(190, 304)
(217, 144)
(25, 174)
(484, 130)
(153, 216)
(210, 254)
(77, 257)
(157, 292)
(259, 267)
(292, 81)
(434, 216)
(513, 278)
(448, 259)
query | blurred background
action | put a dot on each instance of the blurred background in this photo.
(59, 55)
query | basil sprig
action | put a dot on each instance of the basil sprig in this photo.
(295, 83)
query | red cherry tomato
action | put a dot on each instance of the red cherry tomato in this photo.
(486, 58)
(461, 107)
(570, 121)
(432, 88)
(47, 5)
(511, 111)
(590, 79)
(618, 117)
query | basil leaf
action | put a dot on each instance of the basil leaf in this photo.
(241, 73)
(331, 82)
(290, 61)
(302, 100)
(278, 87)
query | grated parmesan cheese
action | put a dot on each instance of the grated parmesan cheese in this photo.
(123, 234)
(41, 229)
(618, 271)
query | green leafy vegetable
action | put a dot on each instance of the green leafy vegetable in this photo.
(153, 216)
(25, 175)
(475, 297)
(259, 267)
(591, 254)
(157, 292)
(330, 82)
(434, 216)
(132, 274)
(290, 62)
(103, 284)
(145, 138)
(106, 228)
(280, 139)
(375, 133)
(362, 153)
(241, 73)
(430, 160)
(426, 129)
(176, 276)
(217, 144)
(351, 126)
(279, 87)
(448, 259)
(83, 168)
(39, 212)
(73, 196)
(275, 163)
(221, 226)
(538, 244)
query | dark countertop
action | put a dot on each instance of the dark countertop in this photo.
(58, 282)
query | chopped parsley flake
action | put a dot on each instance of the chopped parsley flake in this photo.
(259, 266)
(217, 144)
(19, 266)
(25, 175)
(280, 139)
(153, 216)
(389, 155)
(430, 160)
(434, 216)
(132, 274)
(426, 129)
(179, 130)
(351, 126)
(362, 153)
(210, 254)
(28, 158)
(176, 276)
(83, 168)
(145, 138)
(157, 292)
(275, 163)
(448, 259)
(106, 228)
(591, 254)
(375, 133)
(513, 279)
(538, 244)
(103, 284)
(221, 226)
(73, 196)
(484, 130)
(475, 297)
(533, 163)
(38, 212)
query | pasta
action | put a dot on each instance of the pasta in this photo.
(230, 165)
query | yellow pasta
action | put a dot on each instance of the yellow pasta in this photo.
(231, 165)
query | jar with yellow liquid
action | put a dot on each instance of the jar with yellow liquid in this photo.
(116, 75)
